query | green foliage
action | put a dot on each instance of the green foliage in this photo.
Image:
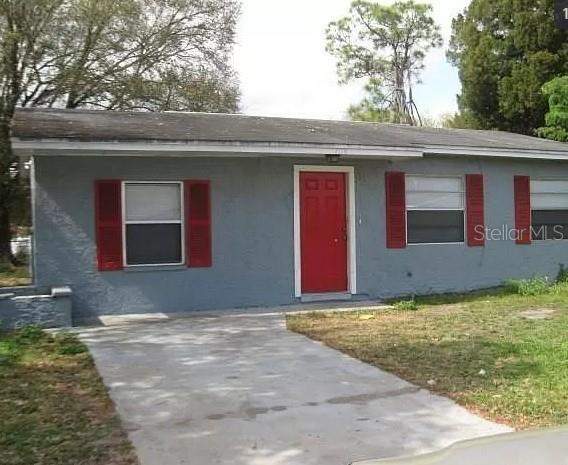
(366, 112)
(537, 285)
(68, 344)
(557, 134)
(12, 347)
(9, 351)
(373, 108)
(462, 120)
(30, 334)
(406, 305)
(384, 45)
(505, 50)
(556, 119)
(562, 276)
(528, 287)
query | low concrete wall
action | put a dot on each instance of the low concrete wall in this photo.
(32, 306)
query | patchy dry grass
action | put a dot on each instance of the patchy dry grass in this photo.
(11, 276)
(477, 349)
(54, 409)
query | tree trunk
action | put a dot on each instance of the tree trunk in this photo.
(7, 185)
(6, 255)
(400, 99)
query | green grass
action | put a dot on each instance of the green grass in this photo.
(528, 287)
(54, 409)
(409, 304)
(474, 348)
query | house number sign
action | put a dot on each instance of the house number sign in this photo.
(561, 14)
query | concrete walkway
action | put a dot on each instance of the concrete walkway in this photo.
(242, 390)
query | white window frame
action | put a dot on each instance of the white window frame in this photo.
(181, 221)
(407, 209)
(533, 179)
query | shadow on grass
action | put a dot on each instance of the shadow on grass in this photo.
(453, 298)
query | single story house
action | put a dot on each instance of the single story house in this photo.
(170, 212)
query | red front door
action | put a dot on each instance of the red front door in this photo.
(323, 225)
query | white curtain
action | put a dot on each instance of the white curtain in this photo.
(551, 194)
(434, 193)
(153, 202)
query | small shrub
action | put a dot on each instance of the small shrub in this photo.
(68, 344)
(528, 287)
(562, 276)
(512, 286)
(409, 304)
(9, 351)
(14, 343)
(30, 334)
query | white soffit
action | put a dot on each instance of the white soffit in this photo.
(63, 147)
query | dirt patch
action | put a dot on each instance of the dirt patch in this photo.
(538, 314)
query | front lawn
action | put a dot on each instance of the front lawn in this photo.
(54, 409)
(502, 355)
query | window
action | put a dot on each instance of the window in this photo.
(153, 223)
(434, 209)
(549, 209)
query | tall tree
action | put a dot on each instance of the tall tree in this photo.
(372, 108)
(557, 118)
(152, 55)
(24, 30)
(460, 120)
(139, 54)
(386, 46)
(505, 50)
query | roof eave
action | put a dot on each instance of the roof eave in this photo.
(498, 153)
(71, 147)
(62, 147)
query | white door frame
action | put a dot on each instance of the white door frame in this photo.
(351, 224)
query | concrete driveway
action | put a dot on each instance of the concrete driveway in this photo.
(242, 390)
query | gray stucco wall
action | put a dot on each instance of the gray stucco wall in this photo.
(253, 250)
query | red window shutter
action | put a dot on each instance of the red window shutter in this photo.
(198, 225)
(108, 224)
(396, 209)
(475, 210)
(523, 209)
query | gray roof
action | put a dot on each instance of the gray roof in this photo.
(110, 126)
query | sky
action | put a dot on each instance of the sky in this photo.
(284, 69)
